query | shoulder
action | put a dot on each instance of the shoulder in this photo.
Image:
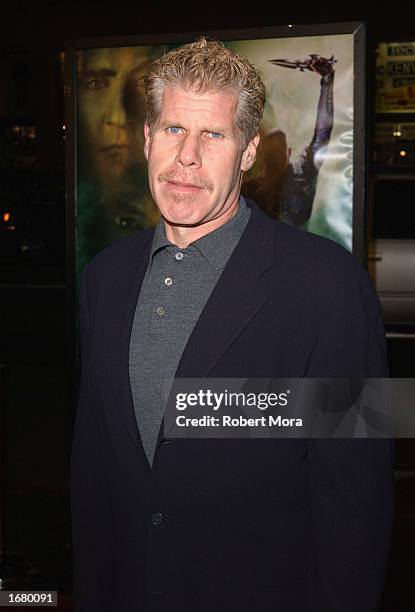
(306, 264)
(116, 256)
(323, 270)
(310, 254)
(298, 251)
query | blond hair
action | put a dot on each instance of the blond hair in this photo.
(207, 65)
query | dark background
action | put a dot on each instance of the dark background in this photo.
(37, 390)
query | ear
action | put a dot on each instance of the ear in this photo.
(146, 140)
(249, 155)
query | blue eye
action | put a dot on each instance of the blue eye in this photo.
(174, 129)
(215, 135)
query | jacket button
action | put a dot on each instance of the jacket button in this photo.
(157, 595)
(157, 518)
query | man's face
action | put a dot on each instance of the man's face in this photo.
(111, 113)
(195, 156)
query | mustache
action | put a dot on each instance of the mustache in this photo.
(193, 181)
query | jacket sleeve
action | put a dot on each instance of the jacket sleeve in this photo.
(90, 499)
(350, 480)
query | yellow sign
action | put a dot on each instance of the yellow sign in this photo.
(395, 77)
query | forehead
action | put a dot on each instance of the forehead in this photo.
(117, 59)
(188, 102)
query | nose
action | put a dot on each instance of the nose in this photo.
(188, 153)
(115, 112)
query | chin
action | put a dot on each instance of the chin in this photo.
(182, 219)
(181, 212)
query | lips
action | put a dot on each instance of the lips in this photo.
(183, 188)
(179, 184)
(116, 149)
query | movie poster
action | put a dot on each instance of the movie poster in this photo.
(304, 171)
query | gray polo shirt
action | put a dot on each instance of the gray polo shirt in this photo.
(175, 289)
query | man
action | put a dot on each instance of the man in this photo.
(113, 195)
(286, 189)
(220, 290)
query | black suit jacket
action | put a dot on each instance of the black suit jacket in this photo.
(223, 525)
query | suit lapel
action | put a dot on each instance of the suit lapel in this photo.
(132, 279)
(236, 298)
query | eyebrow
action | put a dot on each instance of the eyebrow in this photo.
(102, 72)
(218, 130)
(215, 129)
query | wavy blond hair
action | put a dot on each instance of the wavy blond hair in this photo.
(207, 65)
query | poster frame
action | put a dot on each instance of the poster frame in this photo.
(359, 198)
